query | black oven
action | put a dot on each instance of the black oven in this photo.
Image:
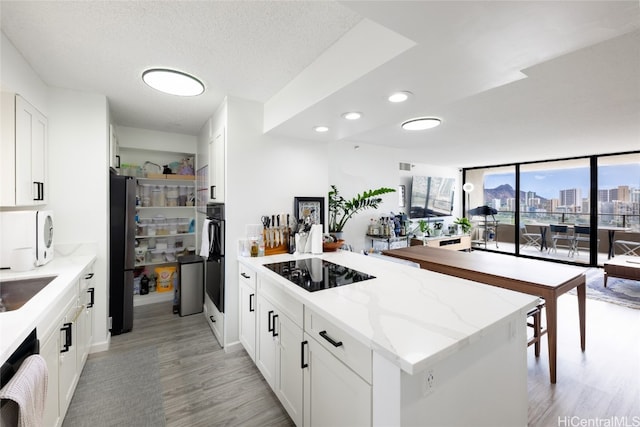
(214, 266)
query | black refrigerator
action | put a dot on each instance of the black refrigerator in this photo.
(122, 228)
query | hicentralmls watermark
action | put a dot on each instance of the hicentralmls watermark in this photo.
(576, 421)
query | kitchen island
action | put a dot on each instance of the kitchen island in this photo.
(407, 347)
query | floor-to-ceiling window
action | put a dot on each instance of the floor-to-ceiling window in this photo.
(570, 210)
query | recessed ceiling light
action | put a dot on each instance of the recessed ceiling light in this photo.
(173, 82)
(321, 129)
(399, 97)
(354, 115)
(421, 123)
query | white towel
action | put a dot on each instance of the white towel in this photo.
(205, 244)
(28, 389)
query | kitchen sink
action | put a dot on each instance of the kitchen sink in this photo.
(16, 293)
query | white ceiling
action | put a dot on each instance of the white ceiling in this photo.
(512, 81)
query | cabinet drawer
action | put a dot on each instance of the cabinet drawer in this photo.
(247, 275)
(350, 351)
(281, 299)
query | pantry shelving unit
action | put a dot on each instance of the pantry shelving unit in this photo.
(183, 207)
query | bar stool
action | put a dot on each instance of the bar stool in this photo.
(536, 323)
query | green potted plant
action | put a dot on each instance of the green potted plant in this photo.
(424, 228)
(341, 209)
(464, 223)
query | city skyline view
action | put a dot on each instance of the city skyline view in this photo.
(549, 183)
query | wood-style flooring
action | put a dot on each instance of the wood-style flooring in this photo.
(204, 385)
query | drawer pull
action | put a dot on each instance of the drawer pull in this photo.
(92, 292)
(67, 337)
(245, 275)
(88, 276)
(324, 335)
(302, 362)
(269, 327)
(251, 308)
(274, 333)
(212, 319)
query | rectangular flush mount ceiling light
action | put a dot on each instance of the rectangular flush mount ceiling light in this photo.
(173, 82)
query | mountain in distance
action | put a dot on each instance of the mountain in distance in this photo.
(505, 192)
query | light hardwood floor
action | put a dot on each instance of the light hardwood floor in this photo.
(205, 386)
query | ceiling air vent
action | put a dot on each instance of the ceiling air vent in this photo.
(405, 166)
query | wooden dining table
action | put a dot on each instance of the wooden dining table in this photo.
(545, 279)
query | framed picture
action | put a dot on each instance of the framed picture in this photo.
(309, 206)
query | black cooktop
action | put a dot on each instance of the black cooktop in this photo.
(316, 274)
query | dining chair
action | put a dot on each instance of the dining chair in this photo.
(627, 247)
(561, 238)
(581, 234)
(530, 239)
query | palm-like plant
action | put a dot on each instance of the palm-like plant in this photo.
(341, 209)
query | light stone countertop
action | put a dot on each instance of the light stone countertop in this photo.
(17, 324)
(412, 317)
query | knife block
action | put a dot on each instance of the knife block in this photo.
(276, 250)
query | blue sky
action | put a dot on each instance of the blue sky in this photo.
(549, 183)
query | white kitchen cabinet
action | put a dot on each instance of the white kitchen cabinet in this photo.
(334, 395)
(114, 148)
(23, 153)
(279, 337)
(337, 375)
(68, 374)
(85, 319)
(247, 310)
(217, 166)
(50, 352)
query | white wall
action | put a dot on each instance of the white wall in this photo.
(263, 176)
(146, 139)
(17, 76)
(79, 189)
(370, 167)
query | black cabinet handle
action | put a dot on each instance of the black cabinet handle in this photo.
(302, 363)
(274, 333)
(92, 292)
(117, 161)
(213, 192)
(324, 335)
(245, 275)
(270, 328)
(212, 319)
(251, 308)
(39, 187)
(88, 276)
(66, 328)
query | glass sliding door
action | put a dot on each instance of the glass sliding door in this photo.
(618, 204)
(490, 205)
(556, 200)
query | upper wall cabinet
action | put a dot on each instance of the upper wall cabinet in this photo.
(23, 153)
(114, 149)
(217, 165)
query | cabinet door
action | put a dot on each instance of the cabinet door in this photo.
(31, 146)
(289, 371)
(333, 394)
(68, 374)
(217, 166)
(114, 149)
(247, 319)
(49, 350)
(266, 342)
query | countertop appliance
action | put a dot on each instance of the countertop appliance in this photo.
(214, 267)
(122, 227)
(316, 274)
(191, 295)
(23, 229)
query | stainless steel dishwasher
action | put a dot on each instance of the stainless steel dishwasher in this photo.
(191, 294)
